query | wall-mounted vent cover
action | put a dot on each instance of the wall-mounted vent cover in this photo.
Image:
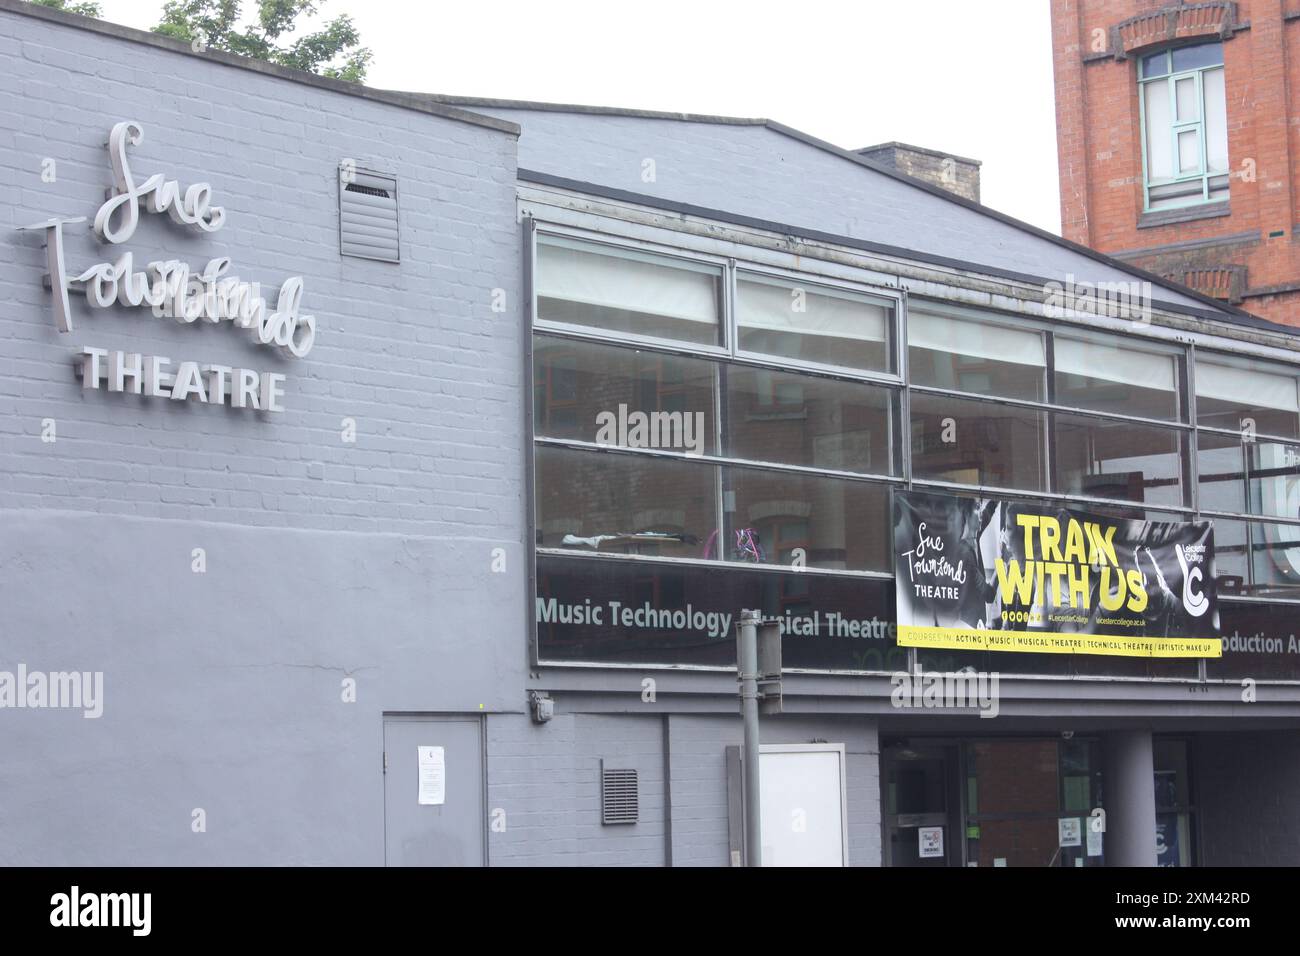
(619, 796)
(368, 215)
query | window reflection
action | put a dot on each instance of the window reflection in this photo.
(1175, 818)
(1231, 556)
(1221, 472)
(595, 502)
(1274, 479)
(1275, 557)
(977, 443)
(803, 420)
(609, 503)
(1102, 458)
(1028, 802)
(580, 388)
(790, 519)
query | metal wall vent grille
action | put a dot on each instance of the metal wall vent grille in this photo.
(368, 216)
(368, 190)
(619, 796)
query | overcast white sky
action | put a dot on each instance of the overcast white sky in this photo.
(947, 74)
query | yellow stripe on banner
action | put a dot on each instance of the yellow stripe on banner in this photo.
(1028, 642)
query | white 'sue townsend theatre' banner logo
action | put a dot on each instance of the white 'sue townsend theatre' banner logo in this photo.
(170, 289)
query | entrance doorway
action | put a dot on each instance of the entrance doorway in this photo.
(922, 812)
(1009, 801)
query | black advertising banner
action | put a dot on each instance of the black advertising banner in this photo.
(980, 574)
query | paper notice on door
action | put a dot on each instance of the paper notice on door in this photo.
(1094, 840)
(1069, 831)
(433, 776)
(930, 842)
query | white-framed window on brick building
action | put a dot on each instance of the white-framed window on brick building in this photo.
(1184, 126)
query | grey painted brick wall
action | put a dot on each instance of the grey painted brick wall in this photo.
(530, 775)
(223, 691)
(414, 353)
(625, 743)
(755, 171)
(325, 560)
(1249, 784)
(547, 779)
(699, 787)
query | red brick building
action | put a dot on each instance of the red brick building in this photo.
(1178, 137)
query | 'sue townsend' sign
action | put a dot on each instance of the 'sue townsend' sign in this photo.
(171, 290)
(980, 574)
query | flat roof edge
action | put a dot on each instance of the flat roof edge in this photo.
(538, 107)
(132, 35)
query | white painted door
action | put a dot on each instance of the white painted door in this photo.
(801, 797)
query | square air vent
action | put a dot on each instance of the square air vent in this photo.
(368, 215)
(619, 796)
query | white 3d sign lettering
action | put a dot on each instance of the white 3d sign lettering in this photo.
(170, 289)
(157, 193)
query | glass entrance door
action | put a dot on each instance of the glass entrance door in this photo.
(1029, 802)
(921, 806)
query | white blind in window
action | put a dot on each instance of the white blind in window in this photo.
(1216, 121)
(1111, 364)
(1248, 387)
(943, 333)
(1160, 158)
(625, 282)
(774, 306)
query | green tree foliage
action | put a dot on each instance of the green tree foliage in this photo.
(333, 51)
(85, 9)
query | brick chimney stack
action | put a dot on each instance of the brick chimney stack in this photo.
(957, 174)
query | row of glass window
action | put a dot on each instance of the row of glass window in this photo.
(635, 296)
(711, 398)
(639, 295)
(643, 399)
(599, 503)
(595, 502)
